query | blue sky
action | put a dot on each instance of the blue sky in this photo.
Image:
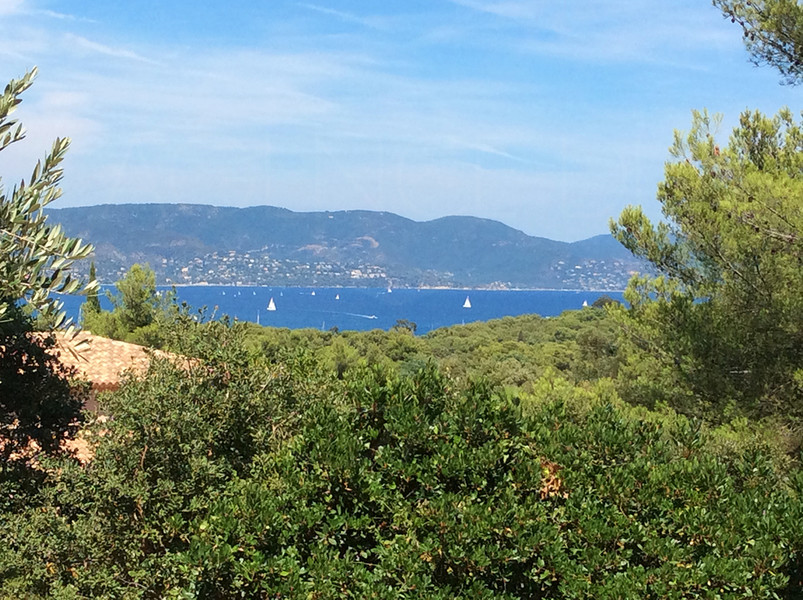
(548, 116)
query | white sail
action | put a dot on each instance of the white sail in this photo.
(313, 293)
(467, 303)
(271, 305)
(585, 303)
(337, 296)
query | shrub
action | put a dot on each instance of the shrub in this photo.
(236, 478)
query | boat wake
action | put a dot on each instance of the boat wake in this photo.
(361, 316)
(337, 312)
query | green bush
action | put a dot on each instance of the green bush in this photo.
(234, 476)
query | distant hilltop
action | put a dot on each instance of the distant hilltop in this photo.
(266, 245)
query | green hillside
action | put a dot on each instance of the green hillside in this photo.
(196, 243)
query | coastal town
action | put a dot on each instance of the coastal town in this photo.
(261, 268)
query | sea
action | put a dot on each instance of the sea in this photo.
(363, 309)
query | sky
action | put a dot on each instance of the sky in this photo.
(550, 117)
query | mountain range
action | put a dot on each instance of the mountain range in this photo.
(266, 245)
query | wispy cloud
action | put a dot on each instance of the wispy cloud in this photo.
(23, 7)
(86, 44)
(607, 30)
(506, 9)
(11, 7)
(373, 23)
(62, 16)
(487, 149)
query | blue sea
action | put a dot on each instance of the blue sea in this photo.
(370, 308)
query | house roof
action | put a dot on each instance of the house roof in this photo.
(102, 360)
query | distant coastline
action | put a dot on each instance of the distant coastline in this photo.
(361, 287)
(270, 246)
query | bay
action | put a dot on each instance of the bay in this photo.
(369, 308)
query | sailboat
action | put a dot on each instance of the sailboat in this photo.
(313, 293)
(271, 305)
(337, 296)
(585, 303)
(467, 303)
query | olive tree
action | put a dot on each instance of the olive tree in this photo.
(36, 257)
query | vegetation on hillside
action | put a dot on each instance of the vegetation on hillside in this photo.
(236, 475)
(265, 245)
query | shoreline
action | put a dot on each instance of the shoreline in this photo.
(360, 287)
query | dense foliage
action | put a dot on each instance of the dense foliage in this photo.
(229, 475)
(512, 351)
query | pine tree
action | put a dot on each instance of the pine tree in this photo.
(773, 33)
(724, 318)
(92, 299)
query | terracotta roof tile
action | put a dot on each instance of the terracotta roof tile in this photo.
(101, 360)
